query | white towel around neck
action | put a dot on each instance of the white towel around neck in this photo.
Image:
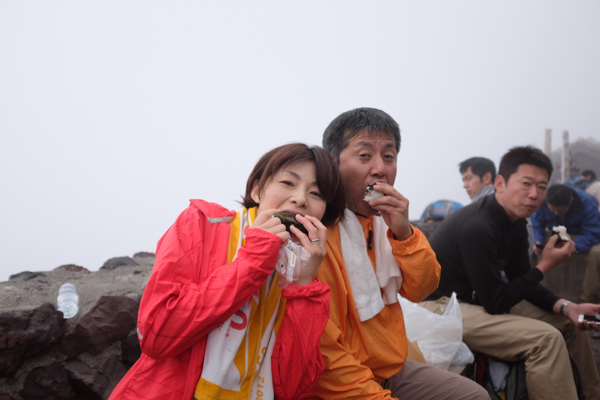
(366, 283)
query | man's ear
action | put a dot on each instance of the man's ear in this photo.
(500, 184)
(255, 192)
(487, 178)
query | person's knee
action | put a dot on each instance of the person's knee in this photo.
(594, 254)
(549, 341)
(478, 392)
(466, 389)
(554, 337)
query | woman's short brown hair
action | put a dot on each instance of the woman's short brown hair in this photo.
(328, 176)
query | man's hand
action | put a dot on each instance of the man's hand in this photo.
(394, 210)
(573, 311)
(554, 253)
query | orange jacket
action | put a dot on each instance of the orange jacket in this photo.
(358, 356)
(192, 290)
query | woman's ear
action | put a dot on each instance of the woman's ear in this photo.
(255, 192)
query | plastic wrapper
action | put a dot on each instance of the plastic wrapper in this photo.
(292, 257)
(438, 336)
(371, 194)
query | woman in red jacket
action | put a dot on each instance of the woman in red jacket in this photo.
(233, 309)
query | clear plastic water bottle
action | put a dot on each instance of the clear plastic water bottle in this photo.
(67, 300)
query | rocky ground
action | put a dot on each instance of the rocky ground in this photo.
(42, 355)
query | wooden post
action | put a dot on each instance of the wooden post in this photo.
(548, 143)
(566, 158)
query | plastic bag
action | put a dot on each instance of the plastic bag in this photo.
(438, 336)
(292, 257)
(463, 356)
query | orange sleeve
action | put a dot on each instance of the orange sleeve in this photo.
(420, 269)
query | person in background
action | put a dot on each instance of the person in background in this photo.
(506, 312)
(372, 256)
(593, 186)
(219, 317)
(478, 175)
(576, 210)
(485, 169)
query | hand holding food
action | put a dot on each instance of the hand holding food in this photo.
(393, 208)
(315, 242)
(265, 221)
(288, 219)
(561, 231)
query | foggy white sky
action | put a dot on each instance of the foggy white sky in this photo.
(114, 114)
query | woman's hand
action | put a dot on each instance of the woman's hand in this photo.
(315, 243)
(265, 221)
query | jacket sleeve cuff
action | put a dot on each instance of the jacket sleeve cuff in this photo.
(315, 288)
(403, 245)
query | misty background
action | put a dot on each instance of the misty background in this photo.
(114, 114)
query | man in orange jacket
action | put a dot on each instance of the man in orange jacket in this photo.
(373, 255)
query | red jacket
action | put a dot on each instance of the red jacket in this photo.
(192, 290)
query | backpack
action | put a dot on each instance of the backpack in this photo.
(516, 385)
(438, 210)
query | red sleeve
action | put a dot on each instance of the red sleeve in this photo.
(297, 362)
(179, 307)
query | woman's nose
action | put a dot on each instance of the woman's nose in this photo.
(299, 198)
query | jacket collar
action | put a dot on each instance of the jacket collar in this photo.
(499, 214)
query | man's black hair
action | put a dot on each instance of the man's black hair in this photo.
(479, 166)
(352, 123)
(559, 195)
(590, 173)
(523, 155)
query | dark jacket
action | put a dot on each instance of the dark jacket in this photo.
(485, 259)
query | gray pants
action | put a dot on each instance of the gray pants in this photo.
(420, 381)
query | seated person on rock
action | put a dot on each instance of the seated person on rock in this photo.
(593, 184)
(577, 211)
(219, 317)
(507, 313)
(372, 255)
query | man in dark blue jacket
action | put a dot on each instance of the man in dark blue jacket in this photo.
(577, 211)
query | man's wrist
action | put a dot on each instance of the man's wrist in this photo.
(408, 236)
(563, 307)
(544, 267)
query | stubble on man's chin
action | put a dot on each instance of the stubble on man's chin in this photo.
(365, 211)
